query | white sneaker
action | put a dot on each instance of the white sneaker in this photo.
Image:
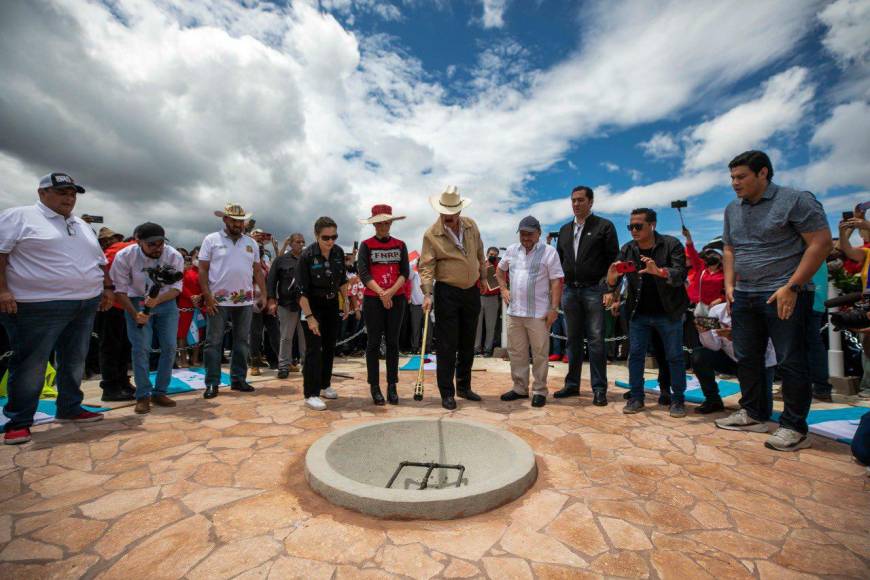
(741, 421)
(785, 439)
(329, 393)
(315, 403)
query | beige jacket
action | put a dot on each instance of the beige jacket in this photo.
(441, 260)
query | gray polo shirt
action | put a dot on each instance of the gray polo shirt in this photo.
(766, 236)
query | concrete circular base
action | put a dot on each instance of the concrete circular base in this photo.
(352, 467)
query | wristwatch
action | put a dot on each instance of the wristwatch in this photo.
(795, 288)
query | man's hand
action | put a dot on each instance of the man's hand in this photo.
(106, 301)
(650, 266)
(210, 304)
(687, 234)
(724, 332)
(313, 325)
(551, 317)
(142, 318)
(357, 314)
(614, 308)
(506, 296)
(607, 300)
(149, 302)
(856, 223)
(427, 303)
(785, 300)
(261, 302)
(196, 299)
(7, 303)
(272, 307)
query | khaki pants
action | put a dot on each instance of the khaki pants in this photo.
(524, 332)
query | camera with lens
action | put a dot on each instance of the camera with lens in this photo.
(853, 319)
(164, 275)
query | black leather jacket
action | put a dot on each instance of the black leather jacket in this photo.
(280, 284)
(668, 253)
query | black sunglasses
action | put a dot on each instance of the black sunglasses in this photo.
(635, 227)
(329, 238)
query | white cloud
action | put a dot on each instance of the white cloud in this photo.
(749, 125)
(493, 13)
(845, 140)
(170, 109)
(848, 35)
(661, 146)
(611, 167)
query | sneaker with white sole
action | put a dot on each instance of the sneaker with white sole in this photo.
(741, 421)
(329, 393)
(315, 403)
(785, 439)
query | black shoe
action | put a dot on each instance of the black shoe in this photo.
(448, 403)
(469, 394)
(117, 396)
(626, 395)
(709, 406)
(283, 374)
(377, 396)
(566, 391)
(599, 399)
(487, 354)
(211, 391)
(678, 410)
(243, 387)
(539, 401)
(633, 406)
(823, 397)
(665, 400)
(513, 396)
(392, 394)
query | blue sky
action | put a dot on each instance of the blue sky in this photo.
(173, 107)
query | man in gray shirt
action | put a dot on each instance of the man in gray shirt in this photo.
(775, 239)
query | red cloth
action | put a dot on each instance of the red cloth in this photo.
(704, 286)
(694, 278)
(189, 288)
(110, 253)
(384, 262)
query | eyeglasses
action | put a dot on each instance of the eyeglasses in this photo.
(71, 228)
(329, 238)
(635, 227)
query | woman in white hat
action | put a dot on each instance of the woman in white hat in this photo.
(382, 265)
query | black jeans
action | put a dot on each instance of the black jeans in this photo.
(753, 323)
(115, 352)
(456, 312)
(386, 323)
(260, 322)
(706, 363)
(584, 319)
(320, 350)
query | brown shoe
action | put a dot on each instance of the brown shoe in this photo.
(143, 405)
(255, 371)
(162, 400)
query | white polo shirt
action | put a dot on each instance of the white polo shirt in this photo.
(712, 341)
(231, 267)
(530, 275)
(50, 257)
(128, 270)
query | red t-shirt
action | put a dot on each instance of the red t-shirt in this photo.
(110, 253)
(189, 287)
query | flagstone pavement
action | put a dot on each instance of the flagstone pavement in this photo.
(216, 489)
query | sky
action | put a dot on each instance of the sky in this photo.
(165, 110)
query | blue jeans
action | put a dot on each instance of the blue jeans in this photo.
(584, 318)
(671, 332)
(754, 322)
(163, 322)
(36, 330)
(817, 354)
(240, 317)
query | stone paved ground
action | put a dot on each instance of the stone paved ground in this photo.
(215, 489)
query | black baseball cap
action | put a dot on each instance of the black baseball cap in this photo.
(529, 224)
(53, 180)
(149, 232)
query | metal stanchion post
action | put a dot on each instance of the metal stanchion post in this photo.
(835, 346)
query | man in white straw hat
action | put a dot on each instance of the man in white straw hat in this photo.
(453, 257)
(229, 264)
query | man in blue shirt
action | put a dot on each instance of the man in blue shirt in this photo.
(776, 238)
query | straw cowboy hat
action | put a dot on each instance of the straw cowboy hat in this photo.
(449, 202)
(234, 211)
(381, 213)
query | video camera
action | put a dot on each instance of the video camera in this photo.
(160, 276)
(853, 319)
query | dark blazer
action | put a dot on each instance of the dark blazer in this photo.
(598, 249)
(668, 253)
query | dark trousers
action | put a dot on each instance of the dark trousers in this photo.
(671, 331)
(38, 328)
(706, 363)
(584, 318)
(861, 440)
(416, 315)
(754, 322)
(115, 352)
(320, 350)
(260, 322)
(456, 312)
(383, 322)
(817, 354)
(240, 317)
(658, 351)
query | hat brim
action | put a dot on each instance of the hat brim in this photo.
(153, 239)
(435, 202)
(78, 188)
(241, 218)
(384, 217)
(529, 229)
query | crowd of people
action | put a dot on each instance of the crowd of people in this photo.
(749, 304)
